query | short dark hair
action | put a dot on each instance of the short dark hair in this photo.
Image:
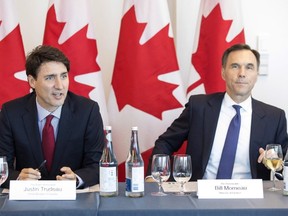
(237, 47)
(42, 54)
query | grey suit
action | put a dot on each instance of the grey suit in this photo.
(79, 141)
(197, 124)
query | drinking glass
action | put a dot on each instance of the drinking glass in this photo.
(273, 157)
(182, 171)
(160, 170)
(3, 171)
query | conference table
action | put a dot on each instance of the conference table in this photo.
(90, 203)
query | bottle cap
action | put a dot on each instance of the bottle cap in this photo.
(135, 128)
(108, 128)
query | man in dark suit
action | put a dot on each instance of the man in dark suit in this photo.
(205, 120)
(77, 125)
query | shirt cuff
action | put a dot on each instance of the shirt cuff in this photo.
(79, 182)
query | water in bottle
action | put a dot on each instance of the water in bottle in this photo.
(108, 167)
(134, 168)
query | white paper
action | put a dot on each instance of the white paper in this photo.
(94, 188)
(175, 187)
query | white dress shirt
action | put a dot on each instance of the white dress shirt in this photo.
(42, 114)
(241, 169)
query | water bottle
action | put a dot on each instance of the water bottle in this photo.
(285, 174)
(134, 168)
(108, 167)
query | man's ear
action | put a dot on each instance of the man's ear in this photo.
(31, 81)
(223, 73)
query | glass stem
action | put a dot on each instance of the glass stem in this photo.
(159, 188)
(182, 187)
(273, 179)
(160, 184)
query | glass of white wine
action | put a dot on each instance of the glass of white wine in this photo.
(273, 157)
(182, 171)
(3, 171)
(160, 170)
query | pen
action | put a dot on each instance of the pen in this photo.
(38, 169)
(41, 165)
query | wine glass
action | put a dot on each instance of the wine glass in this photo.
(182, 171)
(160, 170)
(273, 157)
(3, 171)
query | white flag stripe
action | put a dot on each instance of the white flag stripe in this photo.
(8, 18)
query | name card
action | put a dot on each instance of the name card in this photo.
(42, 190)
(230, 188)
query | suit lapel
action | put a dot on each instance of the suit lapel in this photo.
(64, 130)
(211, 115)
(256, 135)
(257, 114)
(32, 130)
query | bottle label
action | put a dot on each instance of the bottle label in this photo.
(285, 178)
(108, 179)
(136, 183)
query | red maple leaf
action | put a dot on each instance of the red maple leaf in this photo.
(137, 67)
(80, 50)
(212, 44)
(12, 60)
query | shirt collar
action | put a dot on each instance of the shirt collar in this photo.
(43, 113)
(246, 105)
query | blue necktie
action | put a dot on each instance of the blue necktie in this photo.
(229, 150)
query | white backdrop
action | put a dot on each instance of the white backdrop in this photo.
(265, 18)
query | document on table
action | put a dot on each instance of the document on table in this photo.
(175, 187)
(94, 188)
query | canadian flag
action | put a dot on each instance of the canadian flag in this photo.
(220, 26)
(13, 79)
(146, 85)
(68, 27)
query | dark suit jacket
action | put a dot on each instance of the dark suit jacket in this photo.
(79, 141)
(197, 124)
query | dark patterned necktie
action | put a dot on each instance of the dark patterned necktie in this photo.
(229, 150)
(48, 141)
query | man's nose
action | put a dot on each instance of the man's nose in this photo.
(58, 83)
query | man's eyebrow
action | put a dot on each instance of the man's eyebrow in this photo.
(234, 63)
(48, 75)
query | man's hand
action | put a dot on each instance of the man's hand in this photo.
(262, 159)
(29, 174)
(261, 156)
(68, 174)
